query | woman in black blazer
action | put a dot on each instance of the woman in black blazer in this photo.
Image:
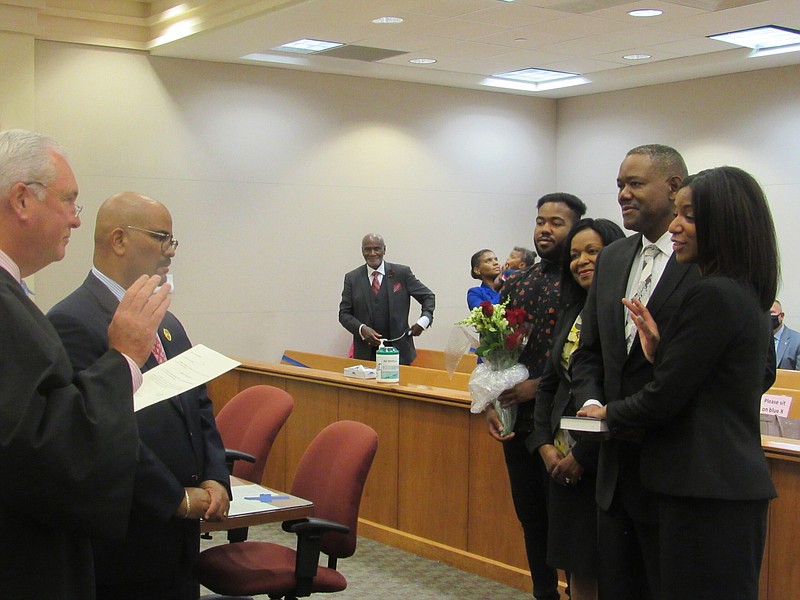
(572, 512)
(702, 451)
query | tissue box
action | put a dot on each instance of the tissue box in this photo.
(359, 372)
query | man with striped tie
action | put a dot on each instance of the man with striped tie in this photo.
(609, 364)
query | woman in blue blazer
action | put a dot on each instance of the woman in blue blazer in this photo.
(484, 266)
(701, 453)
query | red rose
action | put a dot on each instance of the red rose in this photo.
(487, 308)
(516, 316)
(512, 340)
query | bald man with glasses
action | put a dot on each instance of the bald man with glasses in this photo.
(181, 476)
(68, 440)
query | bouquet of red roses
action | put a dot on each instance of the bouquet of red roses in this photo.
(502, 335)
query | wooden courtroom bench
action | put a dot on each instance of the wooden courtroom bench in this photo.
(408, 374)
(787, 379)
(434, 359)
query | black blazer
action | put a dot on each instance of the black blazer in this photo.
(358, 300)
(602, 368)
(180, 445)
(701, 410)
(554, 398)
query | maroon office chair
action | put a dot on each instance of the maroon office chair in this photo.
(332, 473)
(249, 424)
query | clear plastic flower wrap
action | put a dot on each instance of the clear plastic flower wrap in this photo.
(503, 333)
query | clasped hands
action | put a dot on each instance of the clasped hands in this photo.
(209, 502)
(564, 470)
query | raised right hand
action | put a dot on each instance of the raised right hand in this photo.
(133, 329)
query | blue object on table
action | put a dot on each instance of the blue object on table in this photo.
(266, 497)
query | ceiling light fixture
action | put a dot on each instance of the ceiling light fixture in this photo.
(534, 87)
(646, 12)
(535, 75)
(776, 50)
(762, 38)
(637, 56)
(534, 80)
(422, 61)
(382, 20)
(306, 46)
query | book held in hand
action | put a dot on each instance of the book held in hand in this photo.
(589, 424)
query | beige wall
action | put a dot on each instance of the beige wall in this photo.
(273, 176)
(749, 120)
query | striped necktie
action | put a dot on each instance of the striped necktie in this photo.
(643, 290)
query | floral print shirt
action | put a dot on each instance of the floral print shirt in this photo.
(537, 290)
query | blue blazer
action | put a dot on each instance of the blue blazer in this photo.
(482, 293)
(788, 349)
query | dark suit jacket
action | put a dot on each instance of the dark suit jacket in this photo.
(602, 368)
(788, 349)
(67, 454)
(180, 446)
(358, 301)
(701, 411)
(554, 398)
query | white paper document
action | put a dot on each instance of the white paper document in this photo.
(253, 498)
(179, 374)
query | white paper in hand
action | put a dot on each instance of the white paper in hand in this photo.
(192, 368)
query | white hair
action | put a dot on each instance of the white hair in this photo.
(25, 156)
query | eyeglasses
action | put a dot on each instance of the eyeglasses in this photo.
(75, 208)
(167, 241)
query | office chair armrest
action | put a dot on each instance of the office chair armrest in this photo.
(312, 525)
(309, 540)
(231, 456)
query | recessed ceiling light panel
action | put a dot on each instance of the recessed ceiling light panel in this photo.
(646, 12)
(422, 61)
(535, 75)
(770, 36)
(382, 20)
(534, 87)
(306, 46)
(637, 56)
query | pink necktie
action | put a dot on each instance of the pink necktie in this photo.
(158, 351)
(376, 285)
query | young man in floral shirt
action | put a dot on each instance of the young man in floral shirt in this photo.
(535, 289)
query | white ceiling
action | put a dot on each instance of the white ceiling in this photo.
(470, 39)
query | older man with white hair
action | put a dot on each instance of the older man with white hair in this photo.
(68, 441)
